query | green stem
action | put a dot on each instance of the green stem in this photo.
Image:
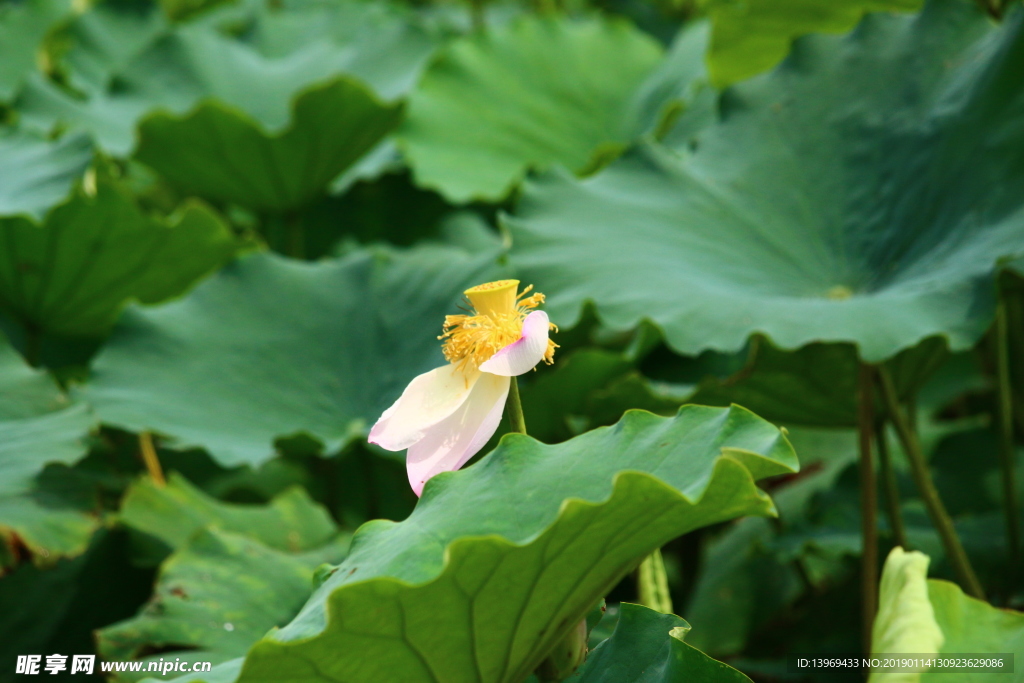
(1006, 450)
(923, 478)
(868, 506)
(477, 16)
(150, 459)
(514, 408)
(890, 489)
(653, 584)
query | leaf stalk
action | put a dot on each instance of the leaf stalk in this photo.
(926, 486)
(653, 583)
(1006, 449)
(868, 505)
(890, 488)
(150, 459)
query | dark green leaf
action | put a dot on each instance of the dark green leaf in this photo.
(272, 348)
(851, 195)
(74, 273)
(648, 647)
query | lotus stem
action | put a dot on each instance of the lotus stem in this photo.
(1006, 449)
(151, 460)
(868, 505)
(923, 478)
(653, 583)
(890, 489)
(514, 408)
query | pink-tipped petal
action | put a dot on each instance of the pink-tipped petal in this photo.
(450, 443)
(523, 354)
(428, 400)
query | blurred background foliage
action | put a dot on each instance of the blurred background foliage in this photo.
(230, 230)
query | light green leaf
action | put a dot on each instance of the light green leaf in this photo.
(23, 26)
(648, 647)
(218, 153)
(850, 195)
(754, 35)
(36, 174)
(531, 93)
(214, 597)
(920, 615)
(337, 340)
(906, 621)
(499, 560)
(174, 513)
(74, 273)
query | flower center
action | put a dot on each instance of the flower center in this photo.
(495, 322)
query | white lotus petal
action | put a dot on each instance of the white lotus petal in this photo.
(523, 354)
(429, 399)
(450, 443)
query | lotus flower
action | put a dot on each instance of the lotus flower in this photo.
(445, 416)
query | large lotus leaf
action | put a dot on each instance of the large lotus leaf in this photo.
(499, 560)
(215, 596)
(648, 647)
(174, 513)
(534, 92)
(752, 36)
(221, 154)
(337, 340)
(850, 195)
(73, 273)
(922, 615)
(258, 78)
(38, 423)
(35, 173)
(23, 26)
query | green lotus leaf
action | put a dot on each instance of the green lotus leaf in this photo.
(257, 78)
(38, 425)
(531, 93)
(648, 647)
(499, 560)
(73, 273)
(215, 596)
(806, 214)
(221, 154)
(102, 41)
(931, 616)
(174, 513)
(23, 26)
(35, 174)
(337, 340)
(753, 36)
